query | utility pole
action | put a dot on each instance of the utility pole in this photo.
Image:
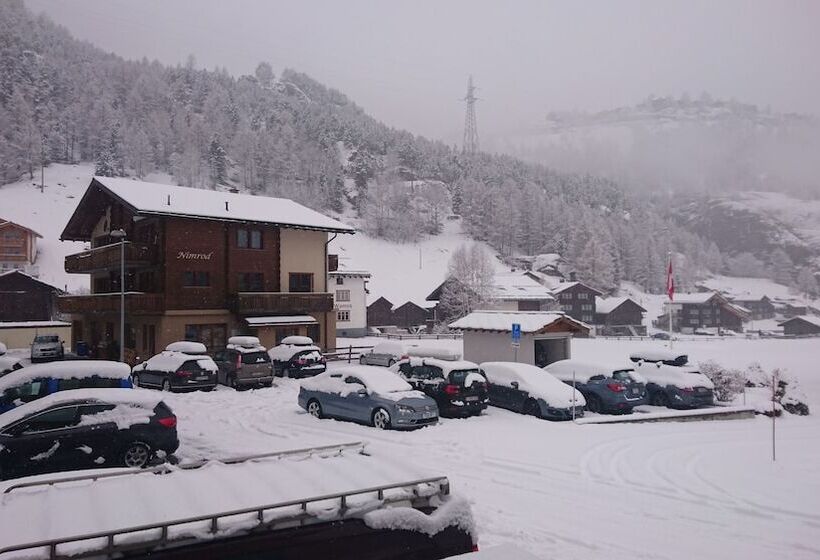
(470, 144)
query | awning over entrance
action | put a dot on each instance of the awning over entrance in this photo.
(276, 321)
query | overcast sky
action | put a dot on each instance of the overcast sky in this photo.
(407, 63)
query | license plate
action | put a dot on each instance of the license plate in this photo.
(202, 378)
(471, 399)
(426, 415)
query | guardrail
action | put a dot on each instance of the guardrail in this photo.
(111, 547)
(165, 469)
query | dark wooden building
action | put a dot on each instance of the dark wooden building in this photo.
(199, 265)
(23, 298)
(577, 300)
(805, 325)
(707, 310)
(759, 308)
(380, 313)
(619, 316)
(410, 314)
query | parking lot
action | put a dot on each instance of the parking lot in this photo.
(669, 490)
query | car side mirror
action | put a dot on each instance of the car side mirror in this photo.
(514, 384)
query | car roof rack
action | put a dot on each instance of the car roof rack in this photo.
(325, 450)
(114, 543)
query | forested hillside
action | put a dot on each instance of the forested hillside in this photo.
(62, 100)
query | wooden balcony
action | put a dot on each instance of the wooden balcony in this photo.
(108, 257)
(136, 303)
(245, 303)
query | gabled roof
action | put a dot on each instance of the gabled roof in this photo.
(502, 321)
(29, 278)
(155, 199)
(696, 298)
(563, 286)
(4, 223)
(383, 300)
(810, 319)
(608, 305)
(518, 286)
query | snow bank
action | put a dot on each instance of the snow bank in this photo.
(73, 369)
(3, 349)
(535, 381)
(455, 512)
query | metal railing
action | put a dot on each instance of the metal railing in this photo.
(347, 354)
(111, 546)
(165, 469)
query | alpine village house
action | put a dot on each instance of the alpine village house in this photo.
(199, 265)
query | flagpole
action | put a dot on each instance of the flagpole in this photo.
(669, 295)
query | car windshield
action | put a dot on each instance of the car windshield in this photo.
(624, 375)
(46, 338)
(255, 357)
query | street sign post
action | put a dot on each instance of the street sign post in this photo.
(516, 338)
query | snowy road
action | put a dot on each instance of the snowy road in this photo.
(685, 490)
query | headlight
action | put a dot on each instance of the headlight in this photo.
(405, 409)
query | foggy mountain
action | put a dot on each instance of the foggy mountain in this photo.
(64, 101)
(684, 145)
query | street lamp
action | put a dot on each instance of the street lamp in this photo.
(120, 234)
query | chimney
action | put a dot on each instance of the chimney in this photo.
(168, 202)
(226, 206)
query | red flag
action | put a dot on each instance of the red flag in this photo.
(670, 281)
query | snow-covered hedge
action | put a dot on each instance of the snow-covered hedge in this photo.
(754, 386)
(728, 382)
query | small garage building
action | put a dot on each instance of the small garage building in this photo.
(805, 325)
(545, 336)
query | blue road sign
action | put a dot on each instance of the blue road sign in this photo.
(516, 333)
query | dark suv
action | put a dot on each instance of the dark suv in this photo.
(183, 366)
(244, 363)
(457, 386)
(86, 429)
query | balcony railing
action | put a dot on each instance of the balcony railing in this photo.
(108, 256)
(281, 302)
(136, 303)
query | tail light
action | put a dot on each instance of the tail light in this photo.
(168, 421)
(301, 361)
(238, 361)
(475, 548)
(183, 373)
(451, 389)
(405, 357)
(615, 387)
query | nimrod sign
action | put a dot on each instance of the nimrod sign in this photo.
(189, 256)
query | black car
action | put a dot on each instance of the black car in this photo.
(84, 429)
(183, 366)
(457, 386)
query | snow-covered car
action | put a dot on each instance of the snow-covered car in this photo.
(661, 335)
(182, 366)
(676, 386)
(9, 364)
(609, 389)
(244, 363)
(457, 386)
(530, 390)
(384, 354)
(297, 356)
(662, 355)
(37, 381)
(369, 395)
(46, 347)
(84, 429)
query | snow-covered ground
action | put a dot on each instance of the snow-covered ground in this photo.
(560, 490)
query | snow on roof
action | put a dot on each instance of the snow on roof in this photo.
(79, 509)
(582, 371)
(147, 399)
(72, 369)
(32, 324)
(695, 298)
(4, 223)
(518, 286)
(610, 304)
(350, 273)
(813, 319)
(530, 321)
(446, 366)
(152, 198)
(534, 381)
(438, 352)
(280, 320)
(560, 287)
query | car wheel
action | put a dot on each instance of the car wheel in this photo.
(135, 380)
(593, 403)
(166, 385)
(531, 408)
(136, 455)
(232, 382)
(381, 419)
(390, 362)
(314, 409)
